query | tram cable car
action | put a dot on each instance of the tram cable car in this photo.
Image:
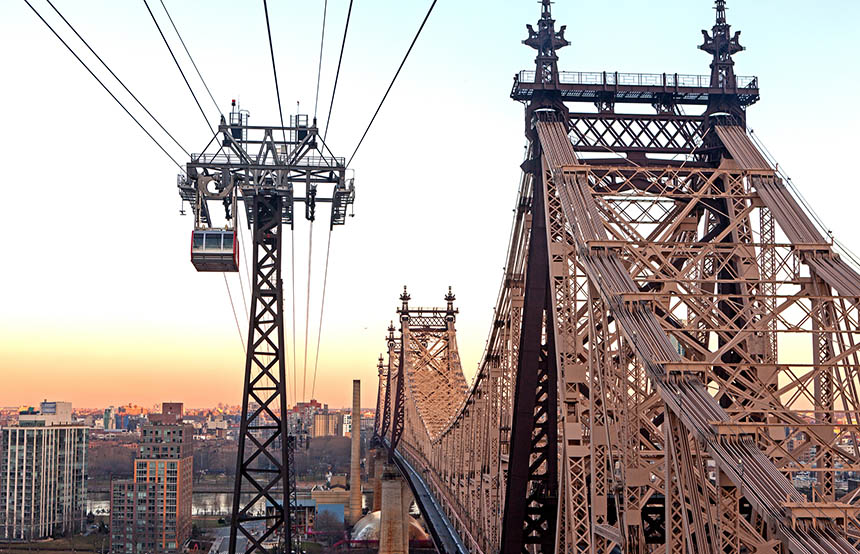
(215, 250)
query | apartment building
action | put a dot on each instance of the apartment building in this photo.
(43, 468)
(152, 511)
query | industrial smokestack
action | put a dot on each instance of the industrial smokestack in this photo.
(355, 458)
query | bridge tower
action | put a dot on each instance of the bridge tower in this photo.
(632, 396)
(531, 499)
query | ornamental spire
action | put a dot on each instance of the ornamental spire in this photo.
(721, 11)
(721, 44)
(546, 41)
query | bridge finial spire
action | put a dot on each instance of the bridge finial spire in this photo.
(379, 365)
(404, 299)
(546, 41)
(451, 311)
(721, 11)
(721, 44)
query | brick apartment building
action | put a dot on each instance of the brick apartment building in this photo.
(152, 511)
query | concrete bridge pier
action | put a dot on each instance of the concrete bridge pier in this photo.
(394, 517)
(377, 461)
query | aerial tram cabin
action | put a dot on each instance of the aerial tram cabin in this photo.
(214, 250)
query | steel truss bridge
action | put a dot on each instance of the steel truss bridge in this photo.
(674, 354)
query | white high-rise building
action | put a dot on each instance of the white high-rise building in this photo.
(42, 474)
(347, 424)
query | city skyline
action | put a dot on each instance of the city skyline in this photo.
(154, 408)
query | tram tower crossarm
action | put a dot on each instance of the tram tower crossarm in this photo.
(250, 160)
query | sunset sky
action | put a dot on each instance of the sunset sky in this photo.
(99, 303)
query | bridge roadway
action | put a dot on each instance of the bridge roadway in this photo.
(444, 535)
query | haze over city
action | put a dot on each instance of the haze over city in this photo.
(117, 311)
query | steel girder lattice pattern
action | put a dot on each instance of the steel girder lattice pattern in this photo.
(673, 289)
(699, 335)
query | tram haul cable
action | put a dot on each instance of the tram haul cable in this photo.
(293, 306)
(235, 317)
(408, 51)
(118, 80)
(322, 307)
(308, 308)
(112, 95)
(274, 68)
(337, 73)
(202, 80)
(319, 65)
(179, 67)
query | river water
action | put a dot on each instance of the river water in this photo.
(202, 503)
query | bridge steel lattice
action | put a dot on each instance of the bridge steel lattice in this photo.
(674, 360)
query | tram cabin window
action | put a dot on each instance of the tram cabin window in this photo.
(214, 250)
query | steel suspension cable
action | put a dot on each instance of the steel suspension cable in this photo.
(112, 95)
(179, 67)
(242, 290)
(322, 306)
(822, 226)
(139, 103)
(319, 65)
(191, 58)
(244, 250)
(337, 74)
(274, 69)
(235, 317)
(408, 51)
(308, 308)
(293, 305)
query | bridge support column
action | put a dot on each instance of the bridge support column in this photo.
(377, 460)
(394, 519)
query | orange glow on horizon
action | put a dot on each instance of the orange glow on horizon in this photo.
(148, 366)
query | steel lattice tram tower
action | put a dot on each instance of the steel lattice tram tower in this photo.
(636, 394)
(262, 168)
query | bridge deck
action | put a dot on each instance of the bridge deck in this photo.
(444, 535)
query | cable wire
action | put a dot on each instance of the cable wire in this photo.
(293, 305)
(822, 226)
(242, 290)
(308, 308)
(319, 66)
(191, 58)
(322, 306)
(112, 95)
(274, 69)
(372, 119)
(337, 74)
(179, 67)
(242, 242)
(139, 103)
(232, 307)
